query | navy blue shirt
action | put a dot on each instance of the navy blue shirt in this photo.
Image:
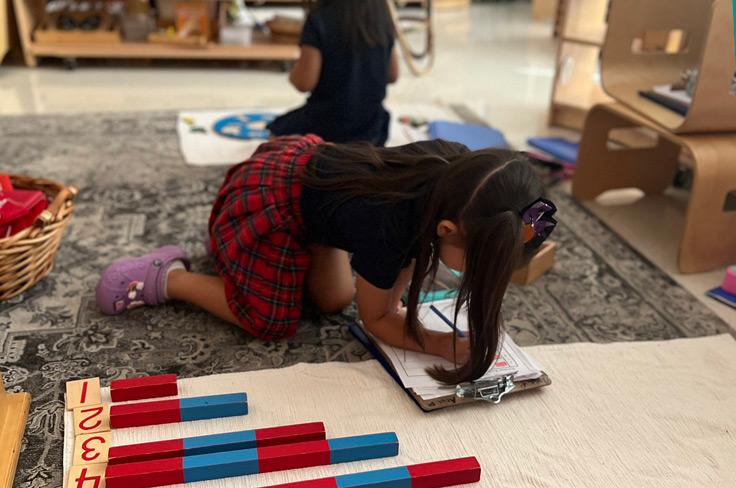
(382, 237)
(347, 103)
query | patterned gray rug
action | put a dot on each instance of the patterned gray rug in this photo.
(137, 194)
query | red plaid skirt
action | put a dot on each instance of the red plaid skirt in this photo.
(256, 232)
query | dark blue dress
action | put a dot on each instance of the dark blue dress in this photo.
(347, 103)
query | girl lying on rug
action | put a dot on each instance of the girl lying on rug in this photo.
(347, 59)
(285, 220)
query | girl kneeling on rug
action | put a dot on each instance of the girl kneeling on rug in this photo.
(285, 220)
(346, 61)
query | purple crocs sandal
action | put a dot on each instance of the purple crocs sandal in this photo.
(133, 282)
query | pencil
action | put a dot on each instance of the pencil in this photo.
(447, 321)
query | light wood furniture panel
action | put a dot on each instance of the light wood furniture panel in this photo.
(13, 414)
(544, 9)
(709, 236)
(585, 21)
(4, 27)
(559, 18)
(451, 4)
(576, 85)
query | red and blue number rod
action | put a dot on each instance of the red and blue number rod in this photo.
(229, 441)
(143, 388)
(180, 410)
(227, 464)
(426, 475)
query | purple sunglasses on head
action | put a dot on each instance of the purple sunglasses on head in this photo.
(538, 221)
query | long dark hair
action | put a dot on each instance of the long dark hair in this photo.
(483, 192)
(362, 22)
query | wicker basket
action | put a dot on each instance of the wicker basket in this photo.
(28, 256)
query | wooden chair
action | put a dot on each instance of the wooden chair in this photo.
(706, 34)
(709, 237)
(704, 39)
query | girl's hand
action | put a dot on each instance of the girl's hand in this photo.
(376, 308)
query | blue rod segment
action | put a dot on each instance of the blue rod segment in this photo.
(230, 441)
(347, 449)
(220, 465)
(215, 406)
(449, 322)
(382, 478)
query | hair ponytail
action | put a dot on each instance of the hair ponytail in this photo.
(493, 253)
(483, 193)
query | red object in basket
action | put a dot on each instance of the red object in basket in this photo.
(18, 208)
(5, 183)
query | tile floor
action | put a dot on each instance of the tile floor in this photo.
(493, 58)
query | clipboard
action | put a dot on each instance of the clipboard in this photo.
(466, 393)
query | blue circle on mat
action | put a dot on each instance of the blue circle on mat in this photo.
(244, 126)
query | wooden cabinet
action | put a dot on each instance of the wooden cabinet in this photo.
(28, 19)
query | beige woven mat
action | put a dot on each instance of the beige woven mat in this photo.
(635, 414)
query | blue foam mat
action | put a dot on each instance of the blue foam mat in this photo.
(557, 147)
(473, 136)
(722, 296)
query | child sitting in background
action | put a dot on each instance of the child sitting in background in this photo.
(347, 59)
(284, 222)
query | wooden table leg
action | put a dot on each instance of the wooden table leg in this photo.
(25, 20)
(709, 238)
(600, 167)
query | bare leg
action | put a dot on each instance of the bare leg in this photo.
(329, 280)
(329, 283)
(207, 292)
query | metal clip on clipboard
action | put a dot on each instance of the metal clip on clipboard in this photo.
(489, 391)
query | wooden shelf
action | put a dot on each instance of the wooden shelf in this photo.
(576, 88)
(262, 48)
(261, 51)
(452, 4)
(591, 37)
(585, 19)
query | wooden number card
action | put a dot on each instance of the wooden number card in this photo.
(89, 476)
(92, 448)
(82, 393)
(91, 419)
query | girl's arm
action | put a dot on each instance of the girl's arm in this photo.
(402, 282)
(305, 74)
(393, 67)
(382, 319)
